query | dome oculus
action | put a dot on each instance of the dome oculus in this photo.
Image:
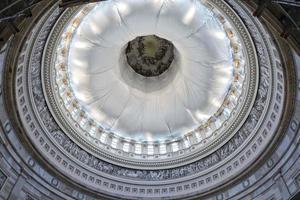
(150, 55)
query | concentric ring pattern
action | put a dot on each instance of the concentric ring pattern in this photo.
(193, 103)
(200, 123)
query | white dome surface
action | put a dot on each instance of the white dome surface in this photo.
(157, 108)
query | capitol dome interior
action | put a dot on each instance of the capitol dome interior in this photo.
(150, 99)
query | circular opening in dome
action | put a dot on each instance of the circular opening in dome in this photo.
(149, 55)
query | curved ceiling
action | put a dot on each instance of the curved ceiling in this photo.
(149, 99)
(200, 94)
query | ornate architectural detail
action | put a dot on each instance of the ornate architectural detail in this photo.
(149, 55)
(195, 150)
(194, 175)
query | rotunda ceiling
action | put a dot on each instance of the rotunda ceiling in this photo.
(144, 109)
(101, 96)
(146, 95)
